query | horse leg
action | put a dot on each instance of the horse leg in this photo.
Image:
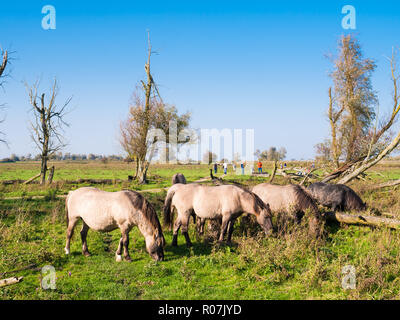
(224, 225)
(125, 242)
(70, 232)
(118, 256)
(184, 230)
(84, 231)
(230, 230)
(177, 225)
(200, 225)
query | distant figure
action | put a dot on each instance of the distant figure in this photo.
(259, 165)
(242, 167)
(225, 167)
(178, 178)
(284, 165)
(234, 166)
(215, 168)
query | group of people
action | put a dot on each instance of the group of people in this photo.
(242, 166)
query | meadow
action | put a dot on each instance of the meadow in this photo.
(288, 265)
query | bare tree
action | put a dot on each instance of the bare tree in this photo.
(3, 65)
(4, 59)
(48, 123)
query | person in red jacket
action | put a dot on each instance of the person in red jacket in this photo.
(259, 165)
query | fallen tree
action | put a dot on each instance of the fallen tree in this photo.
(362, 220)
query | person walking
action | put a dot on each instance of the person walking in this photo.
(259, 165)
(215, 168)
(242, 167)
(225, 165)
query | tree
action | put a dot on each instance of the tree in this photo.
(209, 157)
(272, 154)
(167, 119)
(352, 103)
(48, 123)
(3, 65)
(148, 114)
(377, 142)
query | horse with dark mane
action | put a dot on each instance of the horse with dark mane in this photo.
(105, 211)
(291, 200)
(336, 196)
(178, 178)
(227, 202)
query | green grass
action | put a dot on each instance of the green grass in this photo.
(288, 265)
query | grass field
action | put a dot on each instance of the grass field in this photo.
(288, 265)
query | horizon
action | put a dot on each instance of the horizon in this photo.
(258, 65)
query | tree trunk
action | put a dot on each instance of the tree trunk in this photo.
(43, 170)
(51, 174)
(362, 219)
(371, 163)
(273, 172)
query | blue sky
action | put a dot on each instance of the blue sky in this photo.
(233, 64)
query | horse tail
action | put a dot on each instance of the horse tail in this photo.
(167, 208)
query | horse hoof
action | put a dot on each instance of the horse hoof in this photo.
(66, 251)
(118, 258)
(86, 254)
(128, 259)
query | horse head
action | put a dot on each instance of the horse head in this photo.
(155, 245)
(264, 219)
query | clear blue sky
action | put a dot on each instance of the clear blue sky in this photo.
(233, 64)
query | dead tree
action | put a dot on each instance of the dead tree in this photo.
(48, 123)
(3, 65)
(4, 62)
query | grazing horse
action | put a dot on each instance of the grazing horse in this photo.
(336, 196)
(213, 202)
(289, 199)
(106, 211)
(178, 178)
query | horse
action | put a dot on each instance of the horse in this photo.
(213, 202)
(291, 200)
(336, 196)
(106, 211)
(178, 178)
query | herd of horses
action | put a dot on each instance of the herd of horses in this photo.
(106, 211)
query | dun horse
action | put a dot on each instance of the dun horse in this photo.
(289, 199)
(336, 196)
(105, 211)
(213, 202)
(178, 178)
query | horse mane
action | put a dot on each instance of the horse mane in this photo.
(353, 200)
(258, 203)
(305, 201)
(146, 208)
